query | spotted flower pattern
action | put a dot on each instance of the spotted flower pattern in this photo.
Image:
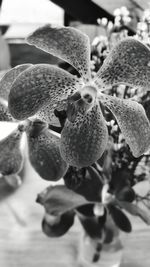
(42, 88)
(11, 151)
(43, 145)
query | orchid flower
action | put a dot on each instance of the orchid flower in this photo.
(42, 88)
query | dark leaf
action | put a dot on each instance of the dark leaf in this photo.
(74, 178)
(88, 184)
(120, 219)
(60, 227)
(120, 180)
(136, 211)
(91, 187)
(108, 236)
(58, 200)
(126, 194)
(93, 225)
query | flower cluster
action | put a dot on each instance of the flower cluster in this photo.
(143, 28)
(88, 128)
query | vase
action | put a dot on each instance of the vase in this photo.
(103, 250)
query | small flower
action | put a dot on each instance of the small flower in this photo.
(122, 16)
(42, 88)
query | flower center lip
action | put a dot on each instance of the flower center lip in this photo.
(89, 94)
(88, 98)
(81, 102)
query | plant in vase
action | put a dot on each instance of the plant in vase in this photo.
(77, 127)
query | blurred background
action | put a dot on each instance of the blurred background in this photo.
(20, 17)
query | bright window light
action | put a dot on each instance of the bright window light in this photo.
(30, 11)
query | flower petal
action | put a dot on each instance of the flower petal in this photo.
(58, 200)
(128, 63)
(84, 140)
(126, 194)
(66, 43)
(11, 158)
(44, 152)
(9, 77)
(135, 210)
(4, 113)
(93, 225)
(120, 219)
(133, 122)
(37, 87)
(62, 225)
(47, 112)
(13, 180)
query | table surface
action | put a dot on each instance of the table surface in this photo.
(22, 243)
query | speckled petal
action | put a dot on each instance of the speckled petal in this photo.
(132, 120)
(66, 43)
(44, 152)
(4, 113)
(84, 140)
(47, 112)
(127, 63)
(40, 86)
(11, 158)
(8, 79)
